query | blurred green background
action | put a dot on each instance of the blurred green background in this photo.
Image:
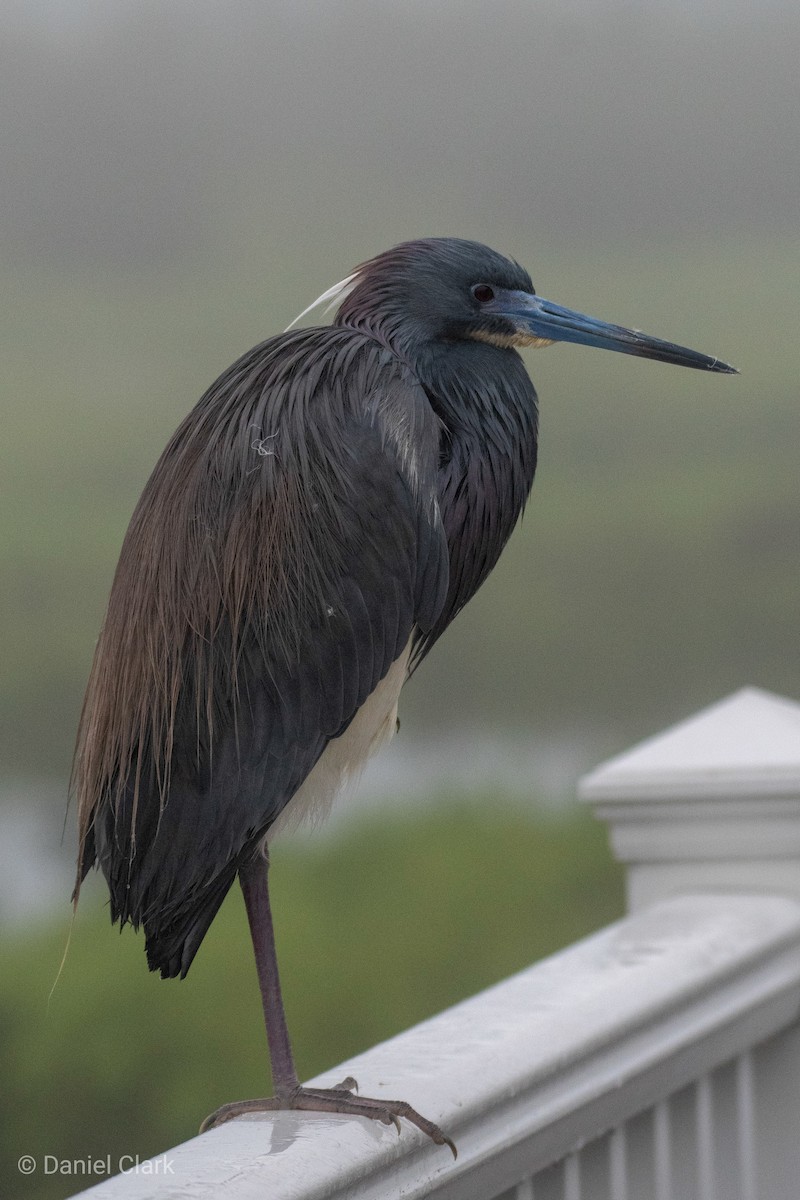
(178, 180)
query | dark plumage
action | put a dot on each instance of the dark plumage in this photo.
(327, 508)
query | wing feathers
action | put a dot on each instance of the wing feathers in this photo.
(281, 555)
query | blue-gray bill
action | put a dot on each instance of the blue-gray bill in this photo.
(541, 319)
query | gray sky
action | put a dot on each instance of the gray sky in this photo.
(146, 131)
(178, 178)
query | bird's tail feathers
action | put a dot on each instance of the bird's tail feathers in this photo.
(172, 941)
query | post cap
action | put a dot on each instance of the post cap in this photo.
(745, 745)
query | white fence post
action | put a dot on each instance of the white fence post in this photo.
(711, 804)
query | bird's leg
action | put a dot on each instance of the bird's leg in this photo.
(288, 1091)
(255, 889)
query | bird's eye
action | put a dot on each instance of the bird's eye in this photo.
(483, 293)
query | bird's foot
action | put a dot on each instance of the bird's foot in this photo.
(341, 1099)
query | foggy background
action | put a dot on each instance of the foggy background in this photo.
(178, 180)
(160, 136)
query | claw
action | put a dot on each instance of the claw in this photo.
(446, 1141)
(340, 1099)
(238, 1108)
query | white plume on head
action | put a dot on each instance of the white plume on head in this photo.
(334, 295)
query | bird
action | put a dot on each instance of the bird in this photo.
(313, 526)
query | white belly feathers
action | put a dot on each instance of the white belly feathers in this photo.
(345, 757)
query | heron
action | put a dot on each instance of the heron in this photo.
(315, 523)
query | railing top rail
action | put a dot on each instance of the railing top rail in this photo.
(520, 1072)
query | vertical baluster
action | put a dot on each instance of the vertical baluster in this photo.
(572, 1177)
(618, 1163)
(746, 1124)
(662, 1150)
(706, 1182)
(524, 1190)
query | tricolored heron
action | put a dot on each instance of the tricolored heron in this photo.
(312, 528)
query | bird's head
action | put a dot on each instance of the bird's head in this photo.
(448, 289)
(435, 290)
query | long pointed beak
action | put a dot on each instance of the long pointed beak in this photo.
(540, 318)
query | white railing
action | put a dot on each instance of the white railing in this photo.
(656, 1060)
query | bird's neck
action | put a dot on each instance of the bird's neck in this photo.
(487, 406)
